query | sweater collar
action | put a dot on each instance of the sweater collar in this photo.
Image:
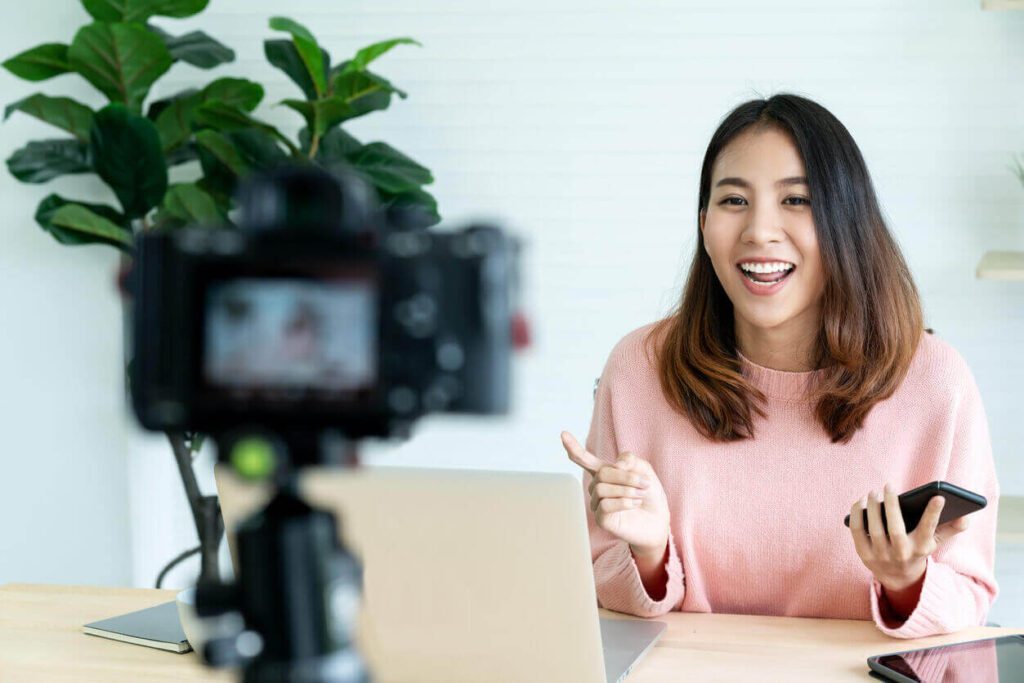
(779, 383)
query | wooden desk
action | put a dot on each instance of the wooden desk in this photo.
(41, 640)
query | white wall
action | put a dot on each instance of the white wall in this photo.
(63, 505)
(581, 125)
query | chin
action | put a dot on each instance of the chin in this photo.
(763, 321)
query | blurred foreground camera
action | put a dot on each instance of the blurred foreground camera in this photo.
(321, 319)
(318, 313)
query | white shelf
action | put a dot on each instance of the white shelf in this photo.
(1001, 265)
(1010, 527)
(1002, 4)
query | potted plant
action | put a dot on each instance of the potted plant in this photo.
(130, 143)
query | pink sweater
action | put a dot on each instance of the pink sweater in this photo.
(757, 525)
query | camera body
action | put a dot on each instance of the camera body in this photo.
(317, 314)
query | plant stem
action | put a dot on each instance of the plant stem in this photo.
(314, 147)
(205, 509)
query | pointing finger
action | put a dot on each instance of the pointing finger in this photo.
(579, 455)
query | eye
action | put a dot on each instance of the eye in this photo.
(728, 201)
(802, 200)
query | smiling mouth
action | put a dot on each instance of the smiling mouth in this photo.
(767, 278)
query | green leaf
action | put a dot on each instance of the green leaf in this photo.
(42, 160)
(336, 145)
(157, 107)
(308, 49)
(195, 48)
(141, 10)
(52, 203)
(62, 112)
(257, 148)
(322, 114)
(127, 154)
(283, 55)
(175, 117)
(390, 170)
(40, 63)
(222, 117)
(77, 218)
(419, 203)
(222, 150)
(217, 181)
(181, 155)
(372, 52)
(174, 123)
(363, 91)
(235, 92)
(121, 60)
(190, 204)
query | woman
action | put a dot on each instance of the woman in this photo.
(729, 440)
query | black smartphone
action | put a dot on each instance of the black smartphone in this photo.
(959, 502)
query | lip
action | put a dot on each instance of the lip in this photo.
(763, 290)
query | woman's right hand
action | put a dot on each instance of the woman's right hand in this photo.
(627, 499)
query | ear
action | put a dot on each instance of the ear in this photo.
(702, 216)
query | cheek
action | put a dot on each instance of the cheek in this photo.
(716, 240)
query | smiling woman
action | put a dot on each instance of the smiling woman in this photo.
(783, 182)
(729, 440)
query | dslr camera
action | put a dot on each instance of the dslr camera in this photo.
(320, 312)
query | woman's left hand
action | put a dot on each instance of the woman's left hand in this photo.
(898, 559)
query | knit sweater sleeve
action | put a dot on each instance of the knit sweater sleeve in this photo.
(959, 584)
(616, 577)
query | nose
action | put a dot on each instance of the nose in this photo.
(764, 226)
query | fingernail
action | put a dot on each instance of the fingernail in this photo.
(888, 487)
(645, 482)
(879, 497)
(633, 502)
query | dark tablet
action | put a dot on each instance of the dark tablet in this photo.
(992, 660)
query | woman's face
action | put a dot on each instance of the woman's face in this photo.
(759, 217)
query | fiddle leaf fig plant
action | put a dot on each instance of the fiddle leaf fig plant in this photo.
(234, 143)
(122, 56)
(131, 142)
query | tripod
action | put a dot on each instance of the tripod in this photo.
(295, 601)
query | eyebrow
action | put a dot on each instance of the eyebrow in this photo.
(740, 182)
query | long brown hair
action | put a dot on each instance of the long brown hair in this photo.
(871, 311)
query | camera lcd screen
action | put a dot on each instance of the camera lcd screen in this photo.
(993, 660)
(283, 338)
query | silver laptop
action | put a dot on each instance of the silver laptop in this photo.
(469, 575)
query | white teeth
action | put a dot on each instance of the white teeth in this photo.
(766, 267)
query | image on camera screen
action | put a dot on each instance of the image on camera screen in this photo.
(290, 334)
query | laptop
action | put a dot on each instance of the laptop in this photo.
(469, 575)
